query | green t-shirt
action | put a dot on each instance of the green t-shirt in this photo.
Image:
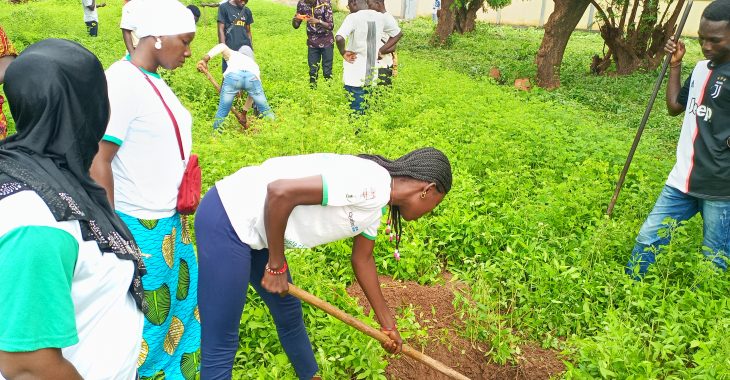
(37, 266)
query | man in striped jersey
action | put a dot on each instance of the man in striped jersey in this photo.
(358, 41)
(700, 179)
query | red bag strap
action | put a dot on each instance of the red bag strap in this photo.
(169, 112)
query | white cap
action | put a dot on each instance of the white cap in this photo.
(247, 51)
(163, 18)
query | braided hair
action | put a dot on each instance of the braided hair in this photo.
(424, 164)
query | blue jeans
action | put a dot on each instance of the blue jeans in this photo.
(358, 103)
(226, 267)
(232, 84)
(679, 206)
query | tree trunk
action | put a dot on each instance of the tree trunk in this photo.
(558, 29)
(626, 59)
(446, 23)
(466, 17)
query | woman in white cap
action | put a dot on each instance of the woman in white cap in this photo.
(139, 164)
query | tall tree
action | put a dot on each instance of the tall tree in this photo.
(633, 30)
(460, 16)
(633, 42)
(559, 27)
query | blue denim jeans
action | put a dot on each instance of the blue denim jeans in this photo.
(241, 81)
(679, 206)
(358, 103)
(227, 267)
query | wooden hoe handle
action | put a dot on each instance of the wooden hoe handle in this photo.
(212, 80)
(372, 332)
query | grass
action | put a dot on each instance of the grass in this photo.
(524, 225)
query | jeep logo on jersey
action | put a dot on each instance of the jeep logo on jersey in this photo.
(702, 111)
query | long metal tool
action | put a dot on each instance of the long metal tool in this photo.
(647, 112)
(374, 333)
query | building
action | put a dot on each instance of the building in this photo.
(522, 13)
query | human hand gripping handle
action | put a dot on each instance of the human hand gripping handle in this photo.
(676, 49)
(396, 342)
(203, 64)
(275, 280)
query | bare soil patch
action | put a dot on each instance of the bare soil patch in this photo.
(434, 310)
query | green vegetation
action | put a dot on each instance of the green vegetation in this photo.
(524, 225)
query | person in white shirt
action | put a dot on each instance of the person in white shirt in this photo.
(91, 18)
(386, 58)
(140, 164)
(247, 219)
(242, 74)
(435, 13)
(358, 41)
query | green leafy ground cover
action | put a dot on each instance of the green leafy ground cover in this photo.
(524, 223)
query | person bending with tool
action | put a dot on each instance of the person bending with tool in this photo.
(244, 223)
(700, 179)
(242, 74)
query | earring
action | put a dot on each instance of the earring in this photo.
(158, 43)
(423, 195)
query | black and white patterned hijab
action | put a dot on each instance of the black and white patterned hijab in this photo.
(57, 93)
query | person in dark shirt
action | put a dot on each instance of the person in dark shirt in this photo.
(700, 179)
(234, 25)
(320, 41)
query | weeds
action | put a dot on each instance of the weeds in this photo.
(524, 224)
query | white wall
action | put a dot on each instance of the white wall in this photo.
(531, 13)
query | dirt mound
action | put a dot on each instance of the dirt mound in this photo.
(434, 310)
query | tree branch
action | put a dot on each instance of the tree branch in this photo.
(633, 15)
(601, 12)
(624, 12)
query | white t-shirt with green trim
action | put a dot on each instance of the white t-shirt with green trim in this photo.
(355, 192)
(102, 334)
(147, 168)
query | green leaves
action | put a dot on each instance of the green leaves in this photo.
(523, 226)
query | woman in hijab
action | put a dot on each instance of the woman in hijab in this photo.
(140, 164)
(70, 287)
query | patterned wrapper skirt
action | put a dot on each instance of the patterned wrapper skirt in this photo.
(171, 339)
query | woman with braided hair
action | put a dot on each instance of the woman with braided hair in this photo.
(246, 220)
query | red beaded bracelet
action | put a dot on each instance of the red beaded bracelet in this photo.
(276, 272)
(383, 328)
